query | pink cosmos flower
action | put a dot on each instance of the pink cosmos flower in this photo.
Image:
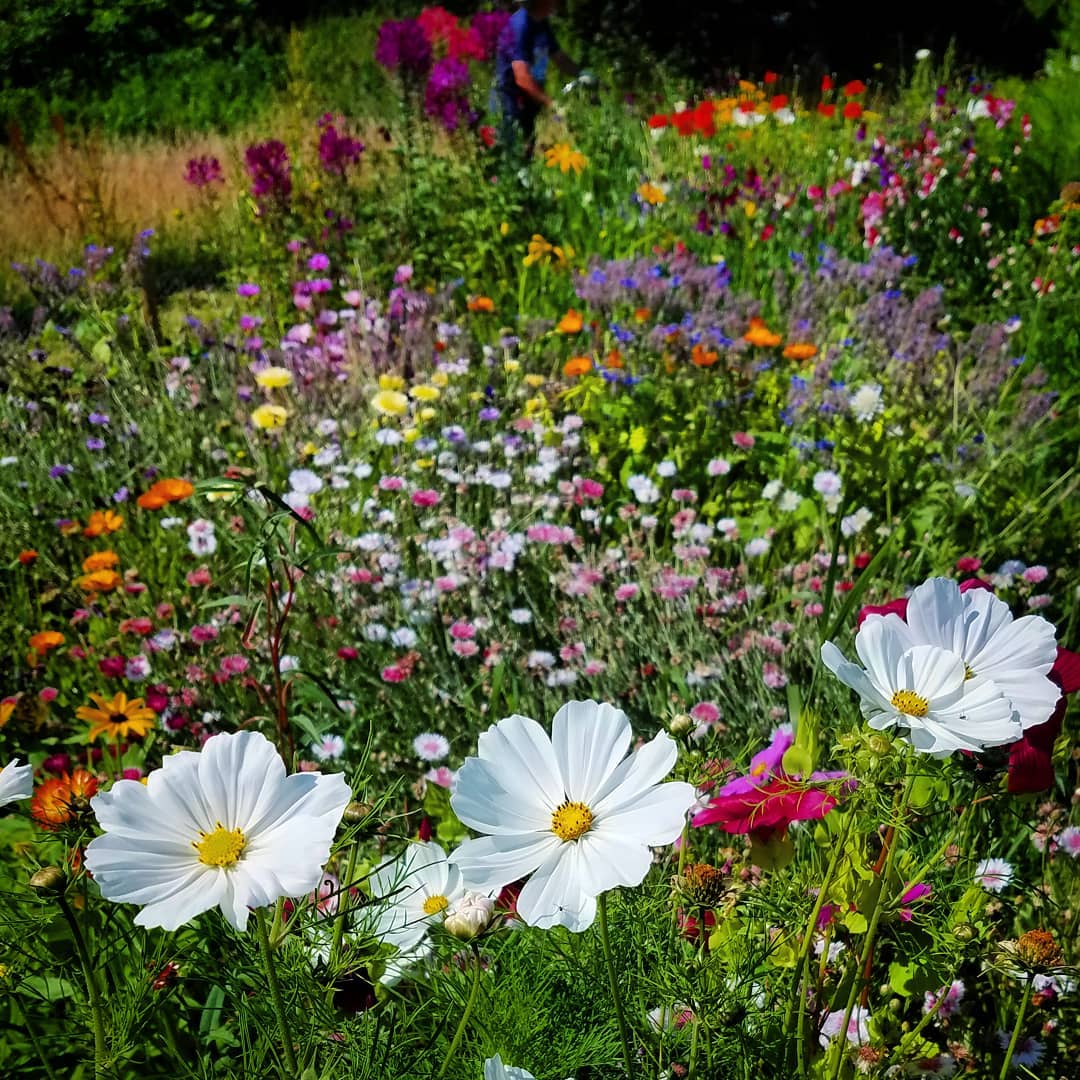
(426, 497)
(465, 649)
(743, 439)
(462, 631)
(393, 674)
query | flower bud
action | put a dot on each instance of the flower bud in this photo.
(964, 931)
(470, 917)
(681, 725)
(49, 879)
(702, 885)
(357, 812)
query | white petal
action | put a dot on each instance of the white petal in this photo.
(935, 615)
(589, 741)
(171, 912)
(655, 817)
(520, 759)
(239, 773)
(484, 805)
(648, 765)
(933, 673)
(16, 782)
(554, 895)
(852, 675)
(611, 858)
(491, 862)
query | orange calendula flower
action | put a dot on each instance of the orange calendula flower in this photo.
(7, 709)
(759, 334)
(118, 718)
(28, 556)
(577, 365)
(480, 303)
(69, 528)
(45, 640)
(642, 314)
(57, 800)
(102, 522)
(99, 581)
(799, 350)
(564, 157)
(570, 323)
(100, 560)
(165, 491)
(651, 193)
(613, 360)
(702, 357)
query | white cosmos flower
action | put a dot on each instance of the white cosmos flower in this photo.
(573, 811)
(1014, 654)
(16, 782)
(923, 691)
(420, 886)
(223, 827)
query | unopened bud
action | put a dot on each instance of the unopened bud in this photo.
(470, 917)
(964, 931)
(879, 744)
(681, 725)
(357, 812)
(49, 879)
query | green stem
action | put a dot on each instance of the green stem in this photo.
(31, 1033)
(93, 988)
(470, 1003)
(798, 1001)
(275, 992)
(875, 918)
(342, 908)
(1016, 1029)
(624, 1031)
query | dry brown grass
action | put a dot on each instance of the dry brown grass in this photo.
(55, 199)
(52, 201)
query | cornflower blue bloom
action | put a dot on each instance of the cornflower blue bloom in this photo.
(57, 471)
(489, 413)
(95, 443)
(824, 444)
(98, 419)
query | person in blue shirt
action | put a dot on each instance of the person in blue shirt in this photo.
(526, 47)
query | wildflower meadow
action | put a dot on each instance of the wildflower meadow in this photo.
(608, 613)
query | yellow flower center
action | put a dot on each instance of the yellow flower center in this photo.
(910, 703)
(968, 673)
(222, 847)
(571, 820)
(434, 904)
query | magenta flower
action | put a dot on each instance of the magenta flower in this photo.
(402, 46)
(337, 151)
(446, 94)
(268, 165)
(766, 800)
(203, 171)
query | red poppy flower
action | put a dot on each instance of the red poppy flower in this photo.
(826, 83)
(828, 111)
(852, 110)
(770, 77)
(658, 120)
(778, 102)
(854, 88)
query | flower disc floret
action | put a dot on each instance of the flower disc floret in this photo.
(571, 811)
(222, 847)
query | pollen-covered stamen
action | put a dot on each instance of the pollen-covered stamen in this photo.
(434, 904)
(571, 820)
(222, 847)
(910, 703)
(968, 673)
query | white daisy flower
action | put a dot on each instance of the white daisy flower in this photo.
(993, 874)
(16, 782)
(573, 811)
(865, 403)
(420, 885)
(224, 827)
(328, 748)
(923, 691)
(494, 1069)
(431, 746)
(1014, 654)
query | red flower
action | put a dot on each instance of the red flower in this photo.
(1031, 766)
(704, 119)
(684, 121)
(768, 809)
(658, 120)
(827, 111)
(854, 88)
(826, 83)
(852, 110)
(778, 102)
(487, 136)
(770, 77)
(968, 564)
